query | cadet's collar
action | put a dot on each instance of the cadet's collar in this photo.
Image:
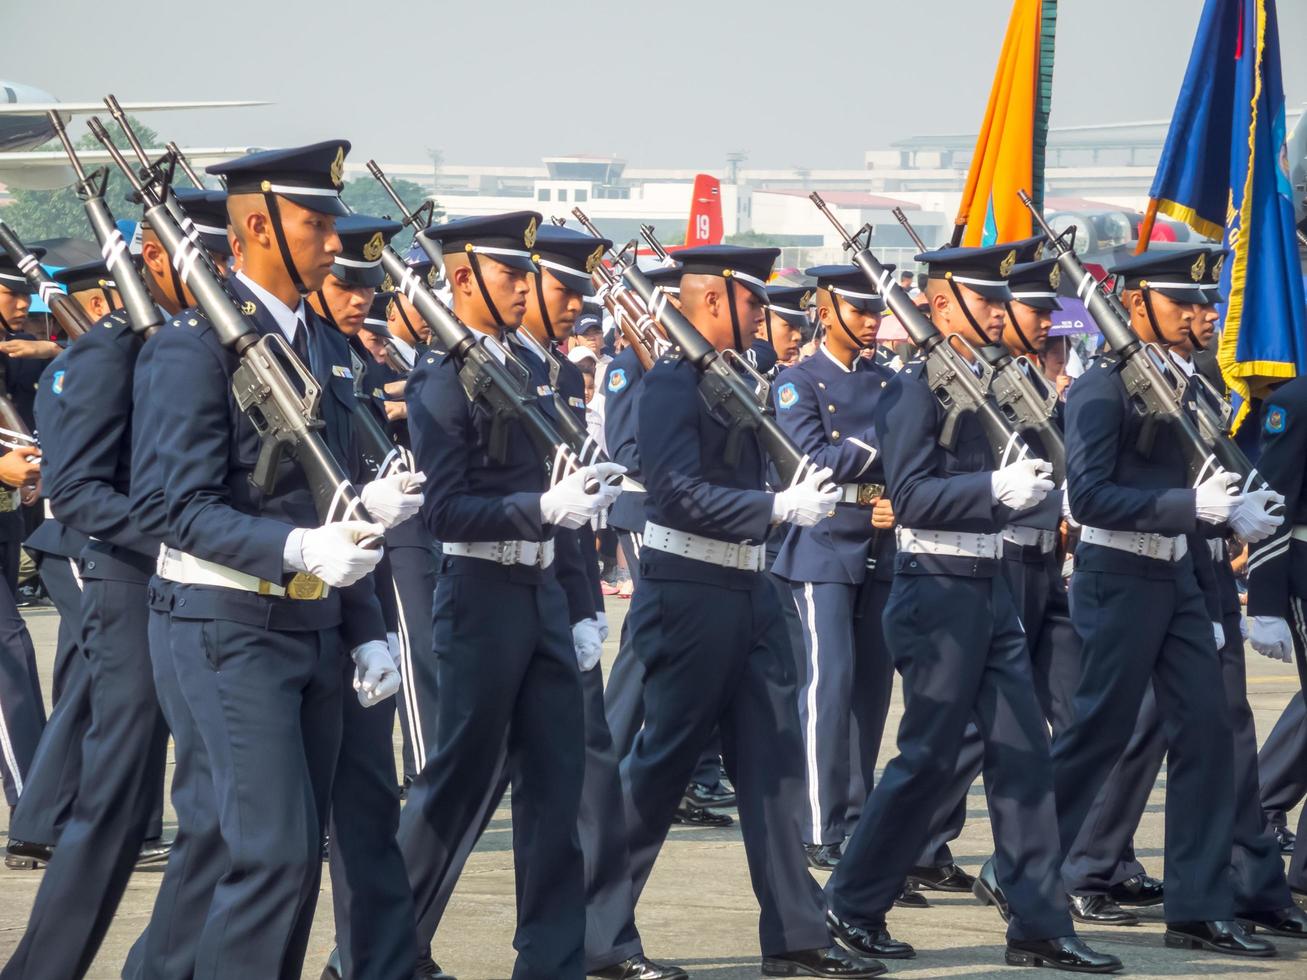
(407, 350)
(837, 362)
(1186, 364)
(494, 344)
(285, 318)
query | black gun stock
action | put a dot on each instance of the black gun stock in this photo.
(67, 311)
(959, 391)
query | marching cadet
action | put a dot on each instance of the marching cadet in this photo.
(1280, 766)
(840, 571)
(375, 932)
(22, 712)
(262, 602)
(1140, 611)
(952, 627)
(707, 515)
(503, 663)
(784, 321)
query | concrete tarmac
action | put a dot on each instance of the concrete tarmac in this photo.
(698, 910)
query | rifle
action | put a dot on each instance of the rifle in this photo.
(381, 453)
(655, 246)
(720, 384)
(285, 419)
(66, 310)
(504, 388)
(1019, 389)
(395, 360)
(947, 371)
(141, 309)
(627, 310)
(1153, 388)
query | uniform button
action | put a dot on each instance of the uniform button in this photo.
(821, 384)
(913, 564)
(835, 434)
(831, 409)
(90, 564)
(181, 602)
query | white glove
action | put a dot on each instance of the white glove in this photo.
(1251, 520)
(1270, 637)
(1214, 498)
(585, 637)
(333, 554)
(375, 675)
(1243, 627)
(393, 499)
(601, 618)
(1021, 485)
(1218, 631)
(1066, 507)
(568, 505)
(808, 501)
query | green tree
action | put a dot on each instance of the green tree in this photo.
(676, 237)
(755, 239)
(366, 196)
(38, 215)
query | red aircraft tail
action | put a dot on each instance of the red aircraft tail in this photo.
(705, 224)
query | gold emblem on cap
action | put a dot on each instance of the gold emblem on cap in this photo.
(805, 299)
(1216, 267)
(387, 284)
(593, 258)
(1055, 277)
(372, 250)
(1199, 267)
(432, 278)
(248, 307)
(1005, 267)
(529, 236)
(338, 167)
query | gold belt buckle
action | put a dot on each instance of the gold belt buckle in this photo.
(305, 586)
(7, 501)
(868, 492)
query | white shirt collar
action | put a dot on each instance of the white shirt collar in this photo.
(286, 319)
(406, 350)
(1186, 364)
(835, 360)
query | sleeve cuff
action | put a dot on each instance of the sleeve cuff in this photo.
(292, 553)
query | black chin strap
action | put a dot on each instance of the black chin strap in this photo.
(540, 302)
(839, 318)
(1016, 325)
(485, 293)
(399, 308)
(274, 214)
(326, 308)
(1157, 332)
(767, 323)
(966, 311)
(735, 316)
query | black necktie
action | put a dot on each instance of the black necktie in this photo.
(300, 343)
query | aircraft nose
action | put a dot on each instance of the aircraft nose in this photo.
(15, 92)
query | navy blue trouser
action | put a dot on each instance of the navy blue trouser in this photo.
(1282, 763)
(719, 657)
(1153, 627)
(413, 581)
(959, 647)
(375, 929)
(845, 677)
(504, 672)
(123, 755)
(22, 712)
(166, 949)
(266, 705)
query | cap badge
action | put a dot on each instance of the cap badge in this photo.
(1009, 260)
(432, 278)
(1199, 267)
(338, 167)
(1216, 267)
(388, 284)
(805, 299)
(372, 250)
(593, 258)
(529, 236)
(1055, 277)
(248, 307)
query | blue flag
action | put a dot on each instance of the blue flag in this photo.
(1224, 172)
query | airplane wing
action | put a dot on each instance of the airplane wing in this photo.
(44, 170)
(75, 108)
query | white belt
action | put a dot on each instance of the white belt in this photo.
(186, 569)
(45, 505)
(727, 554)
(537, 553)
(1030, 537)
(1160, 546)
(863, 494)
(631, 486)
(955, 544)
(1299, 532)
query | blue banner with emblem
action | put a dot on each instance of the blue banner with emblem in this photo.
(1224, 172)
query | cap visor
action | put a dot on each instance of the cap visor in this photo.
(1184, 294)
(359, 277)
(1046, 303)
(216, 243)
(1001, 292)
(321, 203)
(578, 282)
(522, 262)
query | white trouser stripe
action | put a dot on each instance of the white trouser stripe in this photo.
(1299, 620)
(77, 575)
(810, 736)
(406, 682)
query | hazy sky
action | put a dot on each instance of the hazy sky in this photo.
(664, 83)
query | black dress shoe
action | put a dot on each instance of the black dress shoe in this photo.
(21, 855)
(1062, 953)
(703, 795)
(874, 941)
(910, 898)
(823, 857)
(1284, 837)
(154, 852)
(1099, 910)
(829, 962)
(698, 816)
(1220, 937)
(987, 890)
(332, 971)
(1138, 891)
(946, 878)
(1290, 922)
(639, 968)
(429, 969)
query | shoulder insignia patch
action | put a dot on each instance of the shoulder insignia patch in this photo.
(787, 396)
(341, 371)
(576, 402)
(57, 382)
(1277, 419)
(616, 380)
